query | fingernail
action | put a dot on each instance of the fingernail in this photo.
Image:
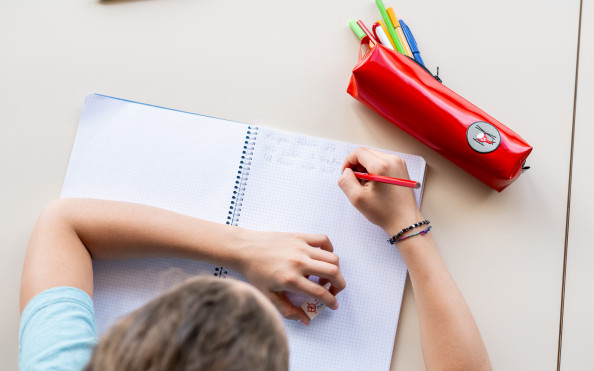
(335, 306)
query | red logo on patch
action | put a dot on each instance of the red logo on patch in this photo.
(482, 137)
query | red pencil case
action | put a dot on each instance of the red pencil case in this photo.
(410, 97)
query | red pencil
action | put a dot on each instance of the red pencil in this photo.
(387, 179)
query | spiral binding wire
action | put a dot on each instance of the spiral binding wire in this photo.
(242, 175)
(243, 172)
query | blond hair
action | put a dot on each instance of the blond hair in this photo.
(204, 324)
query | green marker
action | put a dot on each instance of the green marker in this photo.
(389, 26)
(356, 29)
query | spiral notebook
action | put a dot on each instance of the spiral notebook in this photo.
(253, 177)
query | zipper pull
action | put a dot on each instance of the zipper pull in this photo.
(437, 76)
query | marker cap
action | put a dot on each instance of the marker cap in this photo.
(356, 29)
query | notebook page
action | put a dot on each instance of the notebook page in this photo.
(292, 187)
(128, 151)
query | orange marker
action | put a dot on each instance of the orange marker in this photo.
(399, 32)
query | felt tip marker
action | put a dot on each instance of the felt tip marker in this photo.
(388, 180)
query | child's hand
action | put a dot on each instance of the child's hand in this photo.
(388, 206)
(276, 262)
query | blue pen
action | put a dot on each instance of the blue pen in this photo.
(411, 42)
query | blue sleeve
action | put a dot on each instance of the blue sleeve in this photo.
(57, 331)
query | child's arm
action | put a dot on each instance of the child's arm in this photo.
(72, 232)
(450, 338)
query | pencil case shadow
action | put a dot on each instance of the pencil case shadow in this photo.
(410, 97)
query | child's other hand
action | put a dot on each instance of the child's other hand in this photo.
(388, 206)
(276, 262)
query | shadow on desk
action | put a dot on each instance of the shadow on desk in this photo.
(113, 2)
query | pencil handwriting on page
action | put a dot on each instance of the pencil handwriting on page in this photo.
(297, 151)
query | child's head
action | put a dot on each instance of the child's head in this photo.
(204, 324)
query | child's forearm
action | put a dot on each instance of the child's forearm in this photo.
(118, 230)
(72, 232)
(450, 338)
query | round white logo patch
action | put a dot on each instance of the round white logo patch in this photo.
(483, 137)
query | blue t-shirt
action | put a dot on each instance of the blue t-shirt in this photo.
(57, 331)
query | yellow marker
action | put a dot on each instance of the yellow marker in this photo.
(399, 32)
(387, 33)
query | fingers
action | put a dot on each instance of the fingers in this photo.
(324, 256)
(351, 160)
(375, 162)
(332, 289)
(349, 184)
(361, 156)
(290, 268)
(324, 263)
(315, 290)
(328, 272)
(318, 240)
(286, 308)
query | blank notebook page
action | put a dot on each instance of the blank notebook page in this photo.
(292, 186)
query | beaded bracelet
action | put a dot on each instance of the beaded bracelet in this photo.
(414, 234)
(393, 239)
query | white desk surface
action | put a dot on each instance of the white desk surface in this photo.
(578, 324)
(286, 66)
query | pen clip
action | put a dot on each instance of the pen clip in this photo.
(375, 25)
